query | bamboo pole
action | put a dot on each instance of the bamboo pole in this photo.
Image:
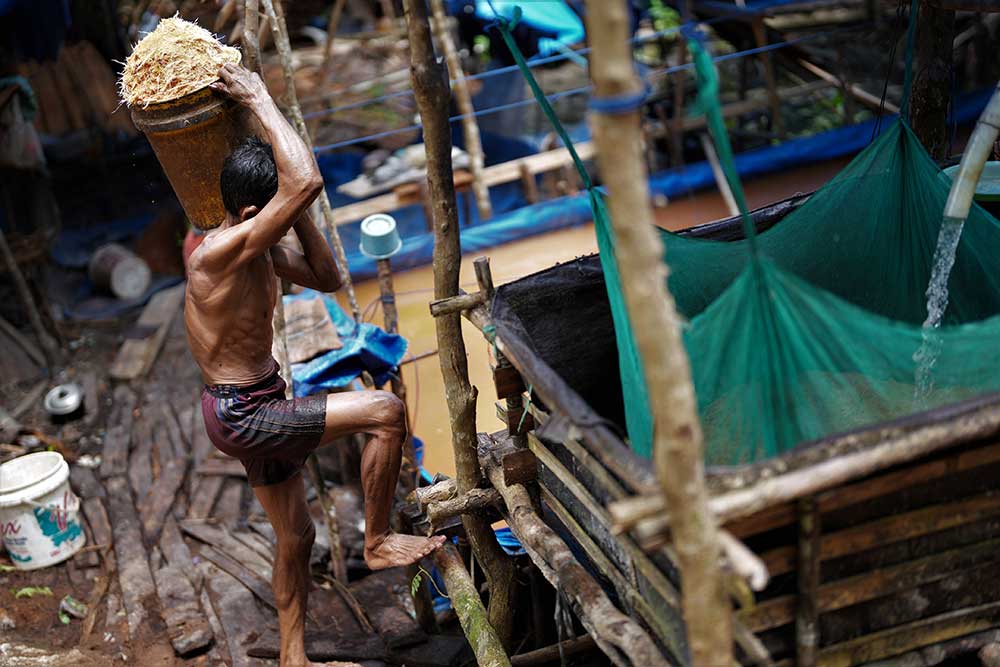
(431, 92)
(677, 447)
(277, 20)
(470, 127)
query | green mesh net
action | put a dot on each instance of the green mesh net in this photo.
(813, 326)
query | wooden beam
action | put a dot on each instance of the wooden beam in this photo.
(475, 501)
(871, 101)
(554, 653)
(456, 304)
(136, 355)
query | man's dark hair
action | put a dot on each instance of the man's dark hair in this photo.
(249, 177)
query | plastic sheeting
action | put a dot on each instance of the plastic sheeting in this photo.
(366, 348)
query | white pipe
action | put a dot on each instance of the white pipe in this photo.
(977, 152)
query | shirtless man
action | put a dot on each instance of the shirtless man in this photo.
(230, 299)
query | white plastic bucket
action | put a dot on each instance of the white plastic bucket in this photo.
(39, 514)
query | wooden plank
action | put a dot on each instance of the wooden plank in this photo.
(114, 457)
(222, 540)
(97, 517)
(158, 503)
(874, 584)
(321, 646)
(136, 356)
(140, 467)
(239, 617)
(203, 498)
(187, 625)
(134, 576)
(175, 551)
(840, 497)
(891, 529)
(901, 639)
(247, 577)
(227, 466)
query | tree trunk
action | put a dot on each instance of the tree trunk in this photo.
(932, 78)
(430, 89)
(677, 446)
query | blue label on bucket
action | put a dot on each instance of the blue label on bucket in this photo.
(56, 526)
(17, 558)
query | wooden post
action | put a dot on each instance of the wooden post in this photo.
(931, 91)
(470, 127)
(49, 346)
(338, 566)
(760, 37)
(677, 447)
(807, 613)
(430, 89)
(278, 29)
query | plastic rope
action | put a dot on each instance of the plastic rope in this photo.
(620, 104)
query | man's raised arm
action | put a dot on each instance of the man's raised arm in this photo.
(299, 180)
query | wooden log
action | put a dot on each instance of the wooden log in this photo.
(476, 501)
(807, 612)
(277, 20)
(187, 626)
(441, 491)
(528, 183)
(851, 494)
(114, 457)
(469, 608)
(374, 596)
(470, 128)
(678, 447)
(134, 576)
(618, 636)
(431, 93)
(554, 653)
(26, 345)
(456, 304)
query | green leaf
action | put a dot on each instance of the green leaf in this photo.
(31, 591)
(415, 585)
(7, 568)
(64, 617)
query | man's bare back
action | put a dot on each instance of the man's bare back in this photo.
(230, 301)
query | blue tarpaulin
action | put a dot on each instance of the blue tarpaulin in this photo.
(366, 348)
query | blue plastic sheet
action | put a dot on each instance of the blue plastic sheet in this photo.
(366, 348)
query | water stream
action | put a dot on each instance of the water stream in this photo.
(937, 303)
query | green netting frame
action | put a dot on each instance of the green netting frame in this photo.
(811, 327)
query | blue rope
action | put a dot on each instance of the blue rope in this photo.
(536, 62)
(575, 91)
(619, 104)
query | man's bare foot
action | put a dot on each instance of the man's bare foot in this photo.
(394, 549)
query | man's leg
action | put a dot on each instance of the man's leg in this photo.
(382, 416)
(285, 505)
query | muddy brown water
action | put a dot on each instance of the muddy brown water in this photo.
(414, 290)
